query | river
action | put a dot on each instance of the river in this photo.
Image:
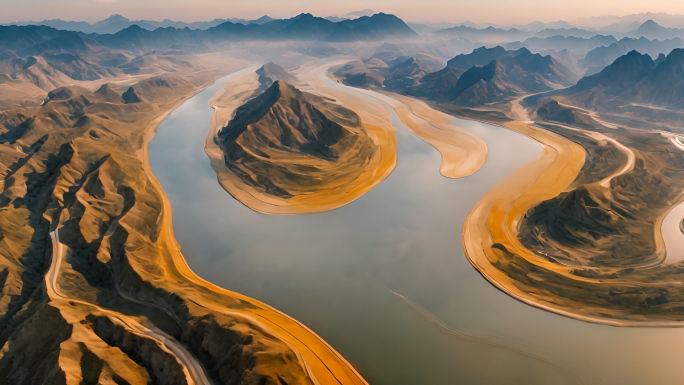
(384, 279)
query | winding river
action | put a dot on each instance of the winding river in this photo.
(384, 279)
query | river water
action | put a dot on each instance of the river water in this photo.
(384, 279)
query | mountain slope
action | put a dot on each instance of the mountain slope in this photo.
(274, 136)
(633, 78)
(492, 75)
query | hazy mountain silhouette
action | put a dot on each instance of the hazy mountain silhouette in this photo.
(484, 35)
(271, 72)
(652, 30)
(578, 45)
(136, 38)
(495, 70)
(598, 58)
(309, 27)
(634, 78)
(116, 23)
(408, 73)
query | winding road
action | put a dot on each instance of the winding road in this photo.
(194, 372)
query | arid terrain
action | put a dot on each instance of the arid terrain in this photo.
(94, 287)
(317, 116)
(586, 214)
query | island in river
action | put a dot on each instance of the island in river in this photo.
(285, 151)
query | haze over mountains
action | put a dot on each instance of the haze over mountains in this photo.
(483, 76)
(116, 23)
(532, 58)
(302, 27)
(537, 37)
(79, 102)
(633, 79)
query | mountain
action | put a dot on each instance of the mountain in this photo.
(285, 111)
(528, 71)
(406, 74)
(308, 27)
(633, 79)
(422, 29)
(618, 77)
(483, 76)
(377, 27)
(262, 20)
(481, 85)
(27, 40)
(303, 26)
(271, 72)
(50, 58)
(620, 27)
(630, 22)
(360, 13)
(335, 19)
(135, 38)
(572, 31)
(664, 85)
(116, 23)
(479, 56)
(274, 136)
(487, 35)
(357, 74)
(77, 26)
(577, 45)
(34, 39)
(652, 30)
(537, 26)
(600, 57)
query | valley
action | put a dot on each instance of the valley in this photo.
(352, 200)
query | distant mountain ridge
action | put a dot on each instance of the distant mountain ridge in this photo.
(301, 27)
(652, 30)
(633, 79)
(600, 57)
(628, 22)
(304, 27)
(116, 23)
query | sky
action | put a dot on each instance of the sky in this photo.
(479, 11)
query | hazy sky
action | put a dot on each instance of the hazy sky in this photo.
(494, 11)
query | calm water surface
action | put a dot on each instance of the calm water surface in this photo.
(337, 271)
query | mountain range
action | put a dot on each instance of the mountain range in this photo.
(493, 74)
(27, 39)
(116, 23)
(633, 79)
(483, 76)
(629, 22)
(600, 57)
